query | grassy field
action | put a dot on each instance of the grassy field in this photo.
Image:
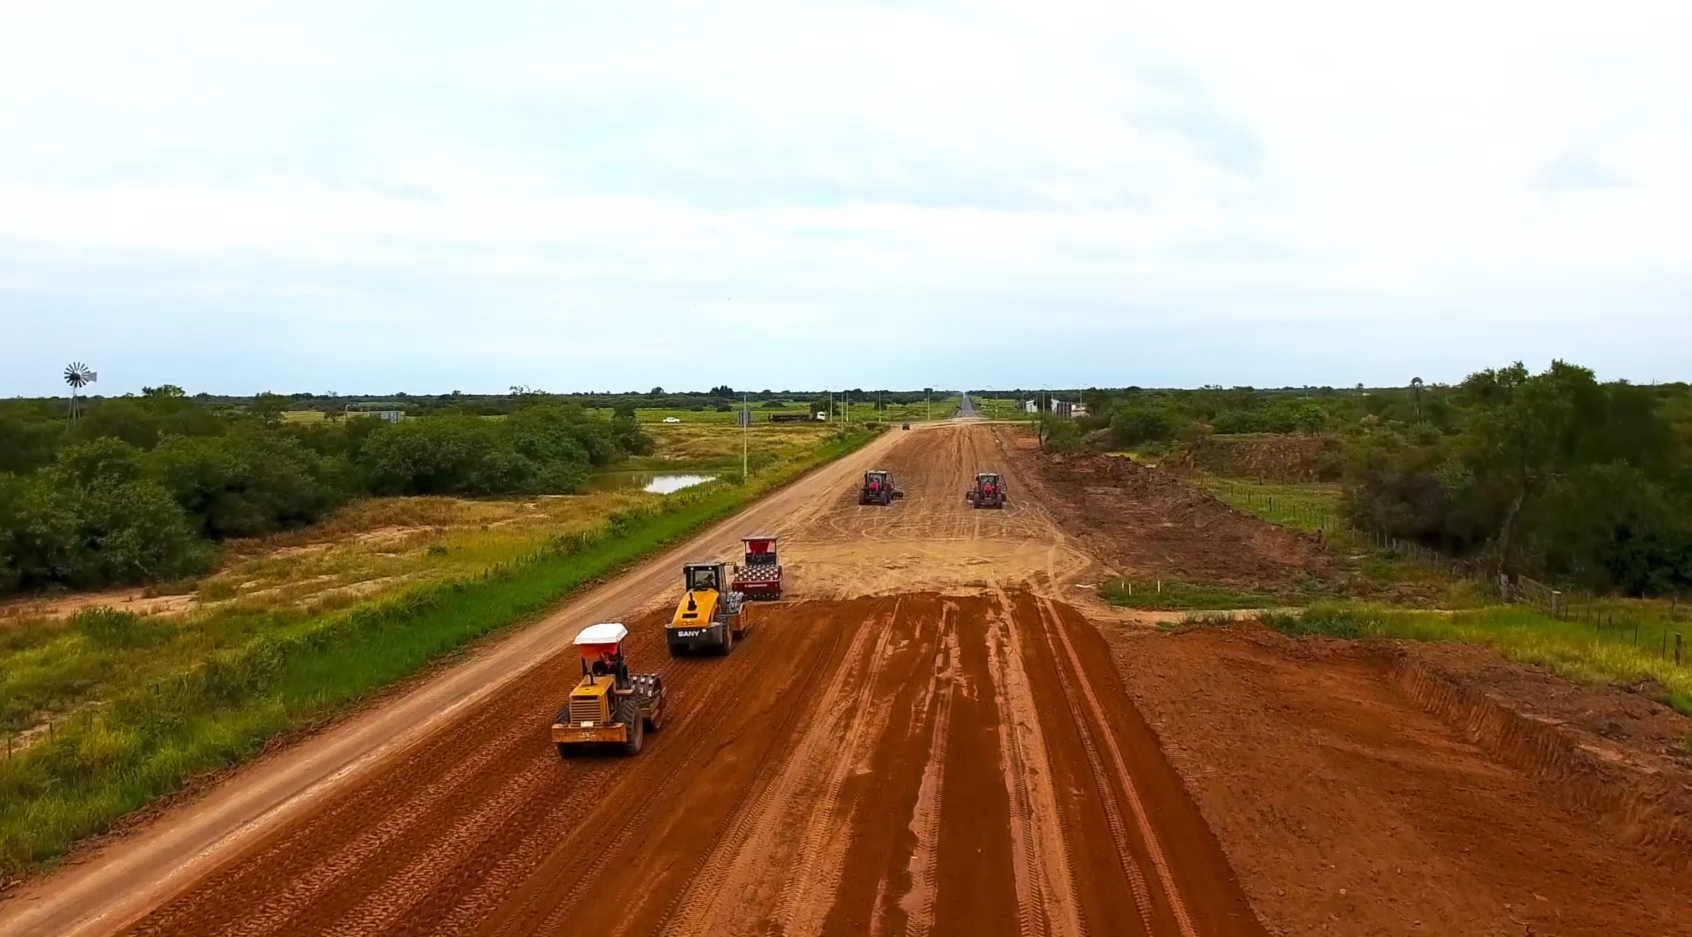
(716, 446)
(1308, 506)
(997, 409)
(294, 629)
(1171, 595)
(1595, 640)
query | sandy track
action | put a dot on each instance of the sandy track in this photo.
(932, 539)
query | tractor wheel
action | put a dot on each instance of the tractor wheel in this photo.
(678, 650)
(653, 723)
(567, 752)
(728, 640)
(629, 715)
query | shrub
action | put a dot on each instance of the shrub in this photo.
(1136, 424)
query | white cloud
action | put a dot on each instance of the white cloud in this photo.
(455, 191)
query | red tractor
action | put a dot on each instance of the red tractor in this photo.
(988, 491)
(760, 576)
(878, 488)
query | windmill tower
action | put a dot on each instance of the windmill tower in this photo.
(77, 376)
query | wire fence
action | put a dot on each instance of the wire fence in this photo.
(1302, 511)
(1612, 622)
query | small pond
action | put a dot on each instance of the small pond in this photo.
(660, 483)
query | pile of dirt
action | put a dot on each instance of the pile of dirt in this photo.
(1269, 457)
(1143, 521)
(1374, 788)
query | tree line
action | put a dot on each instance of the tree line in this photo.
(1554, 474)
(722, 397)
(141, 488)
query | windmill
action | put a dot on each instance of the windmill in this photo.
(77, 376)
(1416, 393)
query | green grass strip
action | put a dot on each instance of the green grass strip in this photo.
(1626, 653)
(1173, 595)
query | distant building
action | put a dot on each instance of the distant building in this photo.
(388, 416)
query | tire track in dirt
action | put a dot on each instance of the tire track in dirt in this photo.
(415, 869)
(1113, 813)
(886, 781)
(311, 859)
(917, 903)
(1192, 889)
(741, 869)
(806, 895)
(1172, 898)
(734, 817)
(1044, 884)
(518, 887)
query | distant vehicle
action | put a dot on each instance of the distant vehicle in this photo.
(878, 488)
(987, 492)
(906, 426)
(760, 577)
(672, 419)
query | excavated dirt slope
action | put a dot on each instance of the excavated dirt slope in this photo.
(1138, 521)
(1360, 790)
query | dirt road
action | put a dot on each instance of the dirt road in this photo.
(928, 743)
(913, 764)
(928, 740)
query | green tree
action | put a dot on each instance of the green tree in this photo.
(269, 407)
(1136, 423)
(1527, 432)
(248, 483)
(27, 444)
(100, 461)
(124, 418)
(1059, 435)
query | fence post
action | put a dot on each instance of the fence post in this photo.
(1556, 604)
(1677, 648)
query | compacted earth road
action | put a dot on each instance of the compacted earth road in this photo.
(925, 738)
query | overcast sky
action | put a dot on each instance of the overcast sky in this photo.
(370, 197)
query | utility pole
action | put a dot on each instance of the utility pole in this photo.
(745, 433)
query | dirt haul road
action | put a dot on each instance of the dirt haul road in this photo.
(927, 744)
